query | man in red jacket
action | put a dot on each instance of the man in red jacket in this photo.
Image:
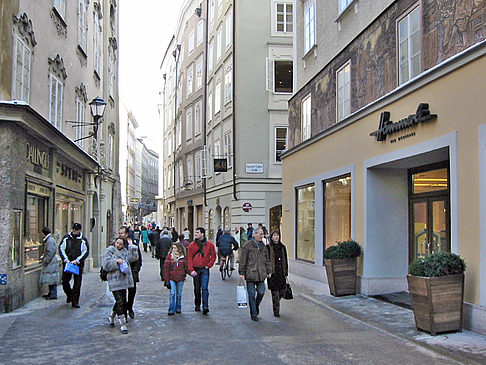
(201, 257)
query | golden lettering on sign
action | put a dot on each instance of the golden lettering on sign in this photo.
(37, 157)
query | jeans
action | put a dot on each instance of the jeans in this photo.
(231, 258)
(201, 282)
(175, 295)
(256, 290)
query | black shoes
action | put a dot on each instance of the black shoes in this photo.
(170, 313)
(69, 299)
(197, 309)
(50, 298)
(75, 305)
(178, 312)
(131, 314)
(276, 315)
(205, 311)
(254, 319)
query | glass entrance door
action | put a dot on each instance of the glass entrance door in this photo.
(429, 226)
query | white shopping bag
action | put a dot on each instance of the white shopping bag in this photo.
(241, 295)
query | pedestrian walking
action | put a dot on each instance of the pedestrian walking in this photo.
(74, 249)
(175, 270)
(184, 242)
(145, 238)
(162, 250)
(116, 262)
(135, 267)
(243, 239)
(249, 232)
(187, 234)
(174, 234)
(201, 257)
(277, 283)
(50, 265)
(255, 268)
(154, 236)
(218, 236)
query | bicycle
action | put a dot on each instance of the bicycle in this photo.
(225, 267)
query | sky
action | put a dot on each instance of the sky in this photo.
(146, 28)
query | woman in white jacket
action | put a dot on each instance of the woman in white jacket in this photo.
(116, 261)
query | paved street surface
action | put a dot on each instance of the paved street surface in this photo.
(308, 332)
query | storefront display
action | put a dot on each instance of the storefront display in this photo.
(35, 220)
(306, 223)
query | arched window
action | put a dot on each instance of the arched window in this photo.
(226, 218)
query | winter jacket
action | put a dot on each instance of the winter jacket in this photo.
(254, 261)
(162, 247)
(196, 260)
(136, 265)
(279, 265)
(116, 279)
(175, 270)
(51, 263)
(145, 236)
(154, 237)
(227, 243)
(74, 248)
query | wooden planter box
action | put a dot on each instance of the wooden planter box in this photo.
(341, 276)
(437, 302)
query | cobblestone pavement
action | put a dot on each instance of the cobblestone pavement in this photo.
(48, 332)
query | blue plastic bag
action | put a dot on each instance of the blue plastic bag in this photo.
(72, 268)
(124, 267)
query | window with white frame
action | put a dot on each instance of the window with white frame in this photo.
(211, 12)
(22, 65)
(343, 4)
(55, 101)
(190, 46)
(343, 97)
(409, 47)
(227, 147)
(199, 64)
(190, 75)
(60, 6)
(200, 30)
(181, 174)
(169, 145)
(228, 86)
(205, 161)
(219, 37)
(181, 54)
(306, 117)
(83, 25)
(97, 43)
(188, 124)
(198, 118)
(198, 174)
(210, 56)
(217, 149)
(210, 106)
(209, 161)
(111, 150)
(279, 76)
(284, 17)
(229, 29)
(178, 133)
(80, 121)
(217, 98)
(112, 72)
(309, 24)
(280, 142)
(190, 179)
(220, 6)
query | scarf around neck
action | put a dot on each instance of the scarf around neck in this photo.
(200, 243)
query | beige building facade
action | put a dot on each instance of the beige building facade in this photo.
(401, 167)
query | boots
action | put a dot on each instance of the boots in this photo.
(111, 319)
(123, 325)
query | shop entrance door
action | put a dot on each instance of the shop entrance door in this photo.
(429, 230)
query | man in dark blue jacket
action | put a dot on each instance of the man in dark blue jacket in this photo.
(74, 248)
(227, 244)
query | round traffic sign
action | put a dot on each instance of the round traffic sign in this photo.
(246, 207)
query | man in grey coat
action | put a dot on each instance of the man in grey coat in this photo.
(255, 268)
(50, 265)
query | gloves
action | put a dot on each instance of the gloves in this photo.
(167, 284)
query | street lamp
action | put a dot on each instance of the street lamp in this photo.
(97, 106)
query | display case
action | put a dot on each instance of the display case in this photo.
(36, 219)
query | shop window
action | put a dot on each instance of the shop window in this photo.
(305, 227)
(17, 239)
(430, 181)
(337, 210)
(36, 219)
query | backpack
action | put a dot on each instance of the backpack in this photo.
(103, 274)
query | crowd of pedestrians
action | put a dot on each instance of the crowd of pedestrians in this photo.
(261, 257)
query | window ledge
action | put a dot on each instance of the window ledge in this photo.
(82, 51)
(343, 13)
(311, 50)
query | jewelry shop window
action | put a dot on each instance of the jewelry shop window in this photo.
(337, 210)
(305, 225)
(36, 219)
(17, 239)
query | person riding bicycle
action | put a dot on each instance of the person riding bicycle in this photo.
(227, 244)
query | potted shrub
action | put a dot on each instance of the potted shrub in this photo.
(340, 262)
(436, 285)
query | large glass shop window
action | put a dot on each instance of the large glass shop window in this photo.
(67, 214)
(17, 239)
(36, 219)
(306, 223)
(337, 210)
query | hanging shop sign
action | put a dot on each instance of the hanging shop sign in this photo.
(220, 165)
(247, 207)
(387, 126)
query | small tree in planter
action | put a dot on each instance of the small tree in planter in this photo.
(340, 262)
(436, 285)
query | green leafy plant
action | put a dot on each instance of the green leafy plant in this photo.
(438, 264)
(343, 250)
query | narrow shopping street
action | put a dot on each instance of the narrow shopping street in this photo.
(47, 332)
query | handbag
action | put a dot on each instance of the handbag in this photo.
(103, 274)
(70, 267)
(241, 295)
(288, 291)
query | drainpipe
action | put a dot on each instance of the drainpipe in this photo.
(177, 53)
(234, 100)
(205, 111)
